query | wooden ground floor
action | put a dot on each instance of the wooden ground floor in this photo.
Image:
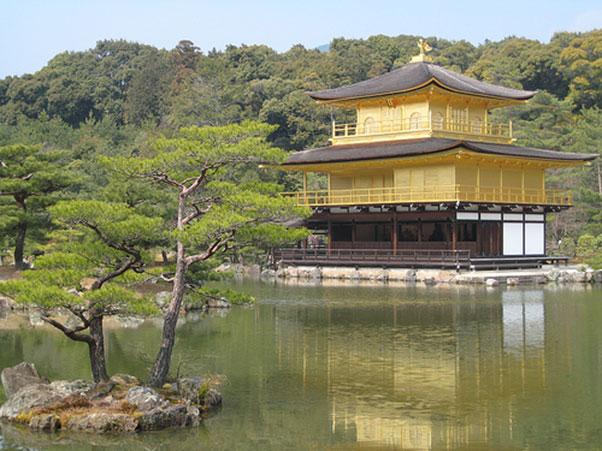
(483, 233)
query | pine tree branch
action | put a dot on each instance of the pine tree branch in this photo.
(111, 275)
(79, 314)
(196, 213)
(211, 250)
(71, 333)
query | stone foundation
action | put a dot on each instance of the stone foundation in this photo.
(433, 276)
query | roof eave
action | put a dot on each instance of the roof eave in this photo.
(457, 146)
(433, 80)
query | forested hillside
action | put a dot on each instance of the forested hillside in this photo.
(110, 100)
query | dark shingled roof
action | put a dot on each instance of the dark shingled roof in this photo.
(415, 75)
(393, 149)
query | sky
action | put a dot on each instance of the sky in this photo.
(33, 31)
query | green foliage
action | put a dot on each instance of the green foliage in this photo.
(582, 61)
(116, 222)
(61, 277)
(203, 271)
(40, 294)
(63, 260)
(586, 246)
(595, 262)
(269, 237)
(31, 179)
(116, 297)
(568, 247)
(221, 206)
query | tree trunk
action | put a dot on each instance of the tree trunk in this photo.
(161, 366)
(20, 245)
(96, 347)
(599, 178)
(21, 232)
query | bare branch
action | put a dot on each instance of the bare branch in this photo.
(111, 275)
(71, 333)
(79, 314)
(196, 213)
(196, 182)
(211, 250)
(161, 177)
(154, 276)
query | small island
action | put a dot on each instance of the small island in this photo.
(121, 404)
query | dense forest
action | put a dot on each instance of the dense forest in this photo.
(112, 100)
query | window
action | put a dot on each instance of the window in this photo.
(415, 121)
(438, 121)
(476, 125)
(408, 232)
(341, 232)
(433, 231)
(467, 231)
(373, 232)
(458, 119)
(369, 125)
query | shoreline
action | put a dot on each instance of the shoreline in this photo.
(577, 274)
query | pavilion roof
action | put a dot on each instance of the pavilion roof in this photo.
(406, 148)
(417, 75)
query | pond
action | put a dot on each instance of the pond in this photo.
(346, 365)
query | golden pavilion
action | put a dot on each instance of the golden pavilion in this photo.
(423, 177)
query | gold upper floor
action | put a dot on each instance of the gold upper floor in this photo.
(458, 175)
(428, 112)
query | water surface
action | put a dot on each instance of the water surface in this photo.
(347, 365)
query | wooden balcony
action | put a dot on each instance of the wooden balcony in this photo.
(428, 127)
(444, 258)
(435, 194)
(389, 258)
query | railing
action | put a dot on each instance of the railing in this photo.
(497, 130)
(376, 257)
(441, 193)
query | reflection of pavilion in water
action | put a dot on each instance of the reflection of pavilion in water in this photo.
(424, 376)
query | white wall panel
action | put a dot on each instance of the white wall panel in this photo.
(513, 238)
(467, 216)
(534, 239)
(491, 216)
(538, 218)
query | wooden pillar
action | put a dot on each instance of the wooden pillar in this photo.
(305, 199)
(478, 187)
(329, 234)
(394, 237)
(353, 234)
(448, 115)
(522, 184)
(500, 235)
(419, 234)
(402, 114)
(501, 196)
(486, 117)
(480, 236)
(454, 240)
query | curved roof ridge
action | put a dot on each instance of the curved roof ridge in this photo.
(416, 75)
(420, 146)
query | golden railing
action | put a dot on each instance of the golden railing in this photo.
(442, 193)
(353, 129)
